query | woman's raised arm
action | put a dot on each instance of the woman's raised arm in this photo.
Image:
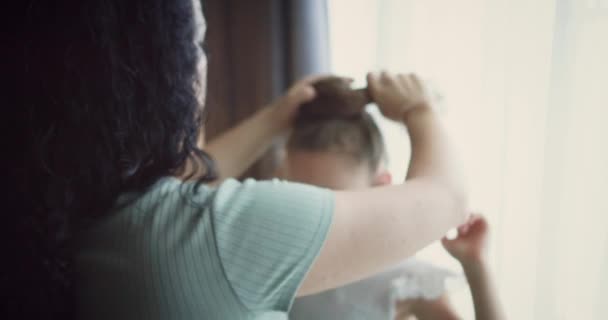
(238, 148)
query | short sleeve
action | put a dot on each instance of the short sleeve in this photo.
(268, 234)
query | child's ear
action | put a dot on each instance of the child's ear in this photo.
(382, 178)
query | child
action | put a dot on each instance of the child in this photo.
(349, 153)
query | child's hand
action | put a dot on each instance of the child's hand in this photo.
(397, 95)
(471, 244)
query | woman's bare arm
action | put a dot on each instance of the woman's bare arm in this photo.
(376, 228)
(238, 148)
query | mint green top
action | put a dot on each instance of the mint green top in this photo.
(238, 251)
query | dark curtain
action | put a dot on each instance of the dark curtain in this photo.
(256, 50)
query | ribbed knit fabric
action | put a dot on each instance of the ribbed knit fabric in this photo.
(239, 251)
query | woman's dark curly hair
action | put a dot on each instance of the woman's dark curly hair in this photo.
(104, 95)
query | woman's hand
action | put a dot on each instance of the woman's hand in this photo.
(397, 95)
(286, 107)
(238, 148)
(471, 244)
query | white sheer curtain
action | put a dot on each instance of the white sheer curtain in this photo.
(526, 98)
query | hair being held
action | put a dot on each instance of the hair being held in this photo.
(105, 96)
(336, 121)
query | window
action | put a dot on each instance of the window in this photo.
(526, 101)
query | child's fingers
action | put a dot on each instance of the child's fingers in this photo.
(463, 230)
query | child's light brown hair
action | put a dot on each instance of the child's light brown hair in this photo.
(356, 136)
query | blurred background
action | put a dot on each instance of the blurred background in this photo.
(525, 99)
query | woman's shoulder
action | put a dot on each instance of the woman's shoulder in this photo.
(269, 232)
(231, 202)
(276, 190)
(270, 200)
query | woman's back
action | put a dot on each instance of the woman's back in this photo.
(238, 251)
(110, 99)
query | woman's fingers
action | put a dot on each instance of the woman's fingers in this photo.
(386, 77)
(302, 94)
(310, 79)
(373, 79)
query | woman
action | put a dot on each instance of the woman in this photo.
(116, 217)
